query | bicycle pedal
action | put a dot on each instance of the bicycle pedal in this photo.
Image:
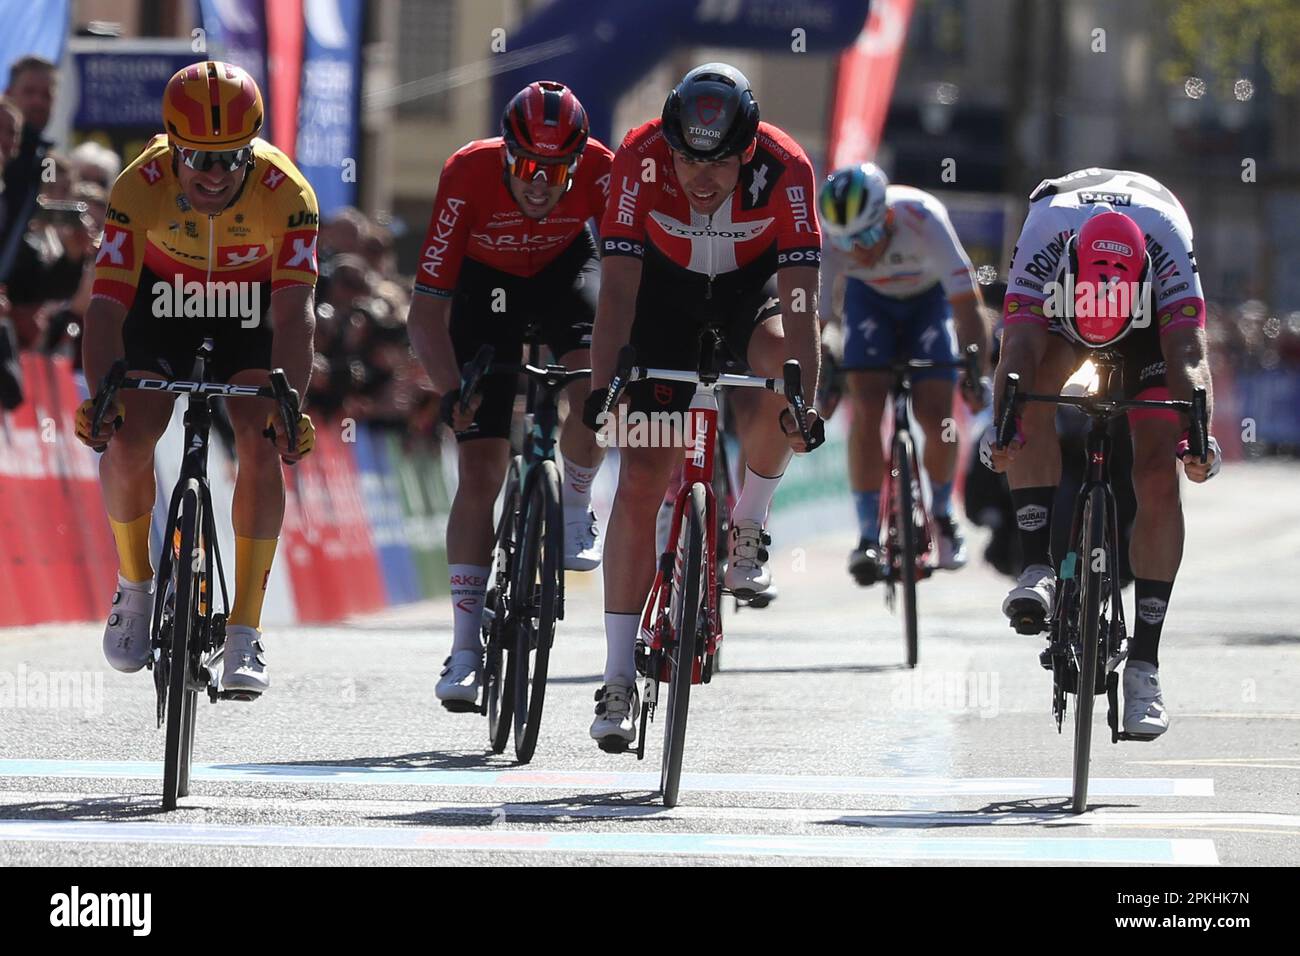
(244, 695)
(461, 706)
(1139, 738)
(615, 745)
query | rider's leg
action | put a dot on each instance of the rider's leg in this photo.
(868, 394)
(481, 468)
(932, 406)
(629, 569)
(1036, 471)
(580, 457)
(1157, 543)
(127, 475)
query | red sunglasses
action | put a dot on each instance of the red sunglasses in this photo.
(556, 172)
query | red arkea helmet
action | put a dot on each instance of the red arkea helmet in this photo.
(546, 120)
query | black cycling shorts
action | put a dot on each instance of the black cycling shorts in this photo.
(167, 344)
(672, 310)
(491, 307)
(1143, 359)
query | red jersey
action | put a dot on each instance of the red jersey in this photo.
(475, 216)
(769, 215)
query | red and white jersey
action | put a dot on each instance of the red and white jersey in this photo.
(475, 216)
(1057, 210)
(769, 215)
(923, 250)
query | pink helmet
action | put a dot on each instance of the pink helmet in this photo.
(1110, 266)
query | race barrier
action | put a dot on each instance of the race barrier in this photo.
(366, 512)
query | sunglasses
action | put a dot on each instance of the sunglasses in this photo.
(201, 160)
(865, 239)
(555, 172)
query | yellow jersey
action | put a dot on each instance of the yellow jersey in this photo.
(268, 233)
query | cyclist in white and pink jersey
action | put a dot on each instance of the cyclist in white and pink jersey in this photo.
(1089, 235)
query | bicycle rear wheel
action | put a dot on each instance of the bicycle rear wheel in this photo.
(688, 576)
(499, 660)
(181, 699)
(905, 522)
(1092, 581)
(536, 603)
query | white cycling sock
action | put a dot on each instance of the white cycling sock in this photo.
(575, 493)
(620, 647)
(468, 585)
(755, 497)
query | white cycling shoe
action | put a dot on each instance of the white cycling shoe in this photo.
(747, 572)
(1029, 604)
(244, 668)
(617, 708)
(1144, 707)
(952, 543)
(126, 636)
(582, 544)
(458, 685)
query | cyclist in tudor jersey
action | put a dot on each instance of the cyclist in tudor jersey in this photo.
(1106, 231)
(907, 278)
(508, 246)
(710, 220)
(260, 232)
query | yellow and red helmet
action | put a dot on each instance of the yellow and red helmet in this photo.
(212, 106)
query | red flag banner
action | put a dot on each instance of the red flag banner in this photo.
(866, 82)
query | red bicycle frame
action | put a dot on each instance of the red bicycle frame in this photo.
(698, 454)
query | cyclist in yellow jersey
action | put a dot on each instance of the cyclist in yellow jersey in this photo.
(210, 233)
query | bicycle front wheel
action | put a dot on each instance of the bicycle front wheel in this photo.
(537, 603)
(499, 660)
(688, 578)
(905, 522)
(1091, 563)
(181, 699)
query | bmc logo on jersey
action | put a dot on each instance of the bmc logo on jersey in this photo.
(116, 249)
(298, 251)
(235, 256)
(151, 172)
(272, 178)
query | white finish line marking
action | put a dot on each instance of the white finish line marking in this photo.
(514, 812)
(527, 779)
(1010, 849)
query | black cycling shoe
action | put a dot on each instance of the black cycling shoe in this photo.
(864, 563)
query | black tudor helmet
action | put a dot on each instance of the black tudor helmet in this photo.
(711, 114)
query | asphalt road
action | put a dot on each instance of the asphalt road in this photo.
(814, 745)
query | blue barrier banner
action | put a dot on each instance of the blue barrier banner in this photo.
(1272, 400)
(382, 500)
(32, 26)
(329, 101)
(124, 88)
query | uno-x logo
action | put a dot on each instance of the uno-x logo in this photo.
(708, 109)
(273, 178)
(303, 254)
(115, 248)
(151, 172)
(240, 255)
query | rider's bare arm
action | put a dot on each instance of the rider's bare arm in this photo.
(968, 317)
(1187, 366)
(428, 324)
(797, 286)
(293, 318)
(620, 278)
(1023, 348)
(101, 344)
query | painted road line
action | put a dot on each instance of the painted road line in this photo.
(33, 800)
(528, 779)
(982, 849)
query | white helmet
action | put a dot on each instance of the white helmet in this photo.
(853, 206)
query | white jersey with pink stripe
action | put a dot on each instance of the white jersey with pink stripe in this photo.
(1059, 207)
(923, 249)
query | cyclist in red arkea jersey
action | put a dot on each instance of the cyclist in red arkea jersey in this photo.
(710, 221)
(509, 248)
